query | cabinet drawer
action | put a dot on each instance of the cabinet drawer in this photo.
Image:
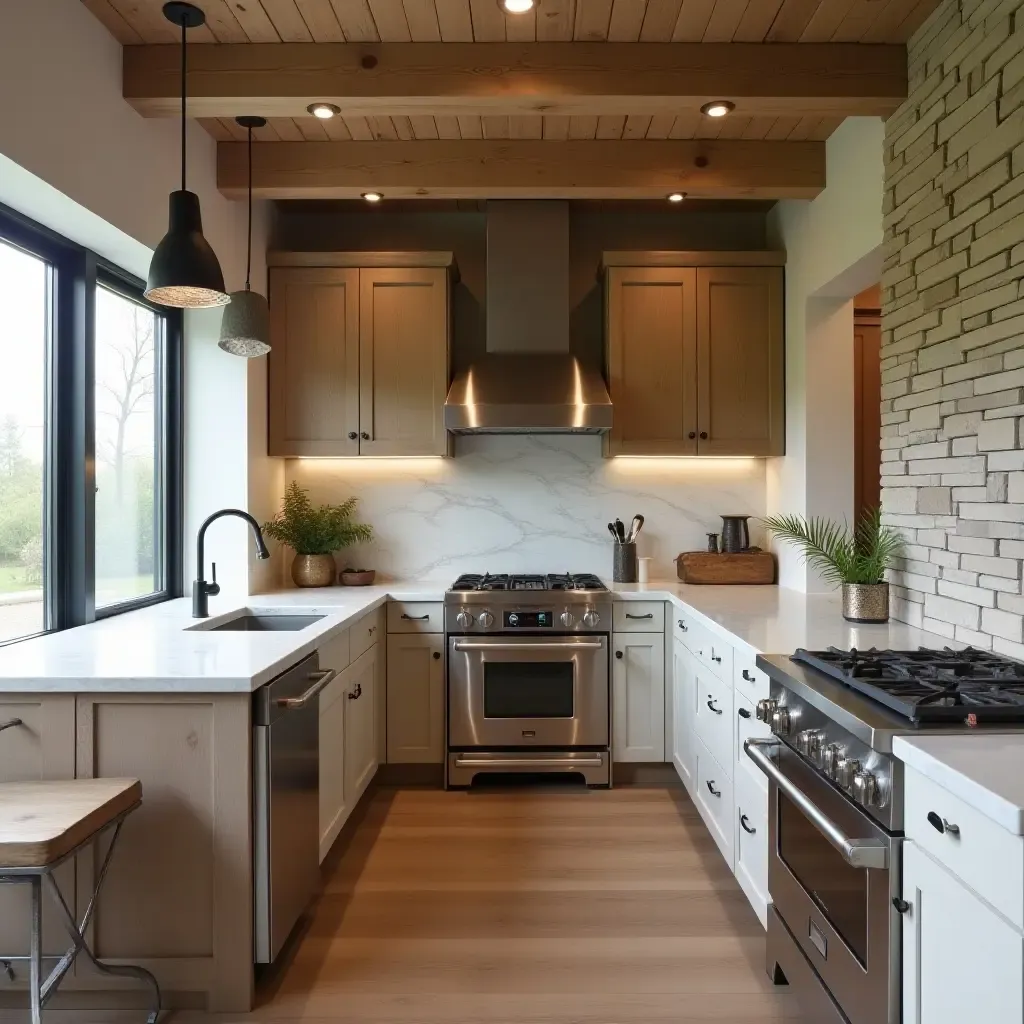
(747, 677)
(714, 800)
(712, 652)
(415, 617)
(979, 852)
(714, 716)
(684, 628)
(752, 842)
(747, 725)
(639, 617)
(365, 632)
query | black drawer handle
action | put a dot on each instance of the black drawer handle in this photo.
(711, 788)
(357, 692)
(743, 713)
(711, 705)
(13, 723)
(745, 825)
(649, 615)
(415, 618)
(682, 625)
(713, 658)
(941, 825)
(749, 678)
(437, 655)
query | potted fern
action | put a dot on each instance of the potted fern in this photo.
(315, 533)
(855, 558)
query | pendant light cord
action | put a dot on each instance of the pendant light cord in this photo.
(248, 238)
(184, 69)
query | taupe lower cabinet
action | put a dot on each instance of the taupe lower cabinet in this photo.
(695, 359)
(359, 360)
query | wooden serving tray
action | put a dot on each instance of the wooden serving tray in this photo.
(742, 567)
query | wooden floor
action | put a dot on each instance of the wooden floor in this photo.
(525, 906)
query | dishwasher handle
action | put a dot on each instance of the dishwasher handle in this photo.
(321, 679)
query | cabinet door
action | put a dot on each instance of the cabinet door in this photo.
(652, 360)
(740, 361)
(638, 700)
(961, 960)
(684, 711)
(752, 841)
(313, 366)
(334, 808)
(416, 698)
(360, 726)
(403, 368)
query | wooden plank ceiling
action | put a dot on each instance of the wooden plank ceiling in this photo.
(136, 22)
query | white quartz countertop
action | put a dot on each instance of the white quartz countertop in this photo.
(160, 650)
(982, 768)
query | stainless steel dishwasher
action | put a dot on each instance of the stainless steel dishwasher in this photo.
(286, 794)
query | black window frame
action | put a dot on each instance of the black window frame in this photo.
(70, 488)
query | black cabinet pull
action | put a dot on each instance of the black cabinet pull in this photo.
(711, 788)
(415, 618)
(703, 435)
(618, 654)
(711, 705)
(941, 825)
(682, 625)
(749, 678)
(901, 905)
(649, 615)
(692, 434)
(718, 659)
(745, 824)
(437, 655)
(743, 713)
(12, 724)
(352, 435)
(357, 692)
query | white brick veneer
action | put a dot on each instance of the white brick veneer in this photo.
(953, 326)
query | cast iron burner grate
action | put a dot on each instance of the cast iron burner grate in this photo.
(504, 581)
(930, 686)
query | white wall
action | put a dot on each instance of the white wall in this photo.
(833, 251)
(76, 157)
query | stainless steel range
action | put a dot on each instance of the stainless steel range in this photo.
(836, 808)
(528, 676)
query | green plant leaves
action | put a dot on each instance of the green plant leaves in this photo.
(315, 530)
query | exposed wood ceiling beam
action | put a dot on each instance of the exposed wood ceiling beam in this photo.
(727, 169)
(282, 79)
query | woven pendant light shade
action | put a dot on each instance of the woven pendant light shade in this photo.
(245, 328)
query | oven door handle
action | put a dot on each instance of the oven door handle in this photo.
(550, 645)
(463, 761)
(858, 853)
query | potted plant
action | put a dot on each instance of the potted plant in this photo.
(854, 558)
(315, 533)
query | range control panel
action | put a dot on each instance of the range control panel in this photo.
(529, 620)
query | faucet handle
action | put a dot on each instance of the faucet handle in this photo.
(213, 587)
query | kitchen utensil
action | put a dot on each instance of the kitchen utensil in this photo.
(620, 531)
(713, 543)
(735, 536)
(635, 527)
(613, 532)
(743, 567)
(624, 563)
(643, 569)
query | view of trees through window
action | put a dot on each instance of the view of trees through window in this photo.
(126, 448)
(24, 320)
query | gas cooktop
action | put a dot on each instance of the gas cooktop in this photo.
(930, 686)
(546, 581)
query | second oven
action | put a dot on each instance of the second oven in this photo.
(528, 691)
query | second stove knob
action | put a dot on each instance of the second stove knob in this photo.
(485, 619)
(830, 759)
(591, 618)
(865, 789)
(809, 744)
(567, 618)
(780, 721)
(464, 620)
(846, 771)
(764, 710)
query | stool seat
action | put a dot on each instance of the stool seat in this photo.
(42, 822)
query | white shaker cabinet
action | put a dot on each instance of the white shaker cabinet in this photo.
(334, 654)
(415, 700)
(684, 711)
(962, 961)
(638, 696)
(360, 725)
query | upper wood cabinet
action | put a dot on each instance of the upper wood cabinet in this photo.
(359, 357)
(695, 358)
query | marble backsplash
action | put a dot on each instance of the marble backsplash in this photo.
(518, 503)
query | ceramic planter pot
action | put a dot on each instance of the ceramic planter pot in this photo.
(313, 570)
(866, 602)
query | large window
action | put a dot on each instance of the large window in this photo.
(90, 437)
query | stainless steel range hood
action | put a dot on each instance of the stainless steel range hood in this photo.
(528, 382)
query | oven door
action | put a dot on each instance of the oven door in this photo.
(832, 875)
(527, 691)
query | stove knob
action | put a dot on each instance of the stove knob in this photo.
(764, 710)
(513, 619)
(846, 771)
(780, 721)
(830, 759)
(809, 744)
(464, 620)
(865, 789)
(591, 618)
(567, 618)
(485, 619)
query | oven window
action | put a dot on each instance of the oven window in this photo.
(528, 689)
(840, 891)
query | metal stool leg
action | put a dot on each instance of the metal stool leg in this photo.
(36, 950)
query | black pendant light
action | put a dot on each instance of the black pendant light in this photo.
(245, 327)
(184, 271)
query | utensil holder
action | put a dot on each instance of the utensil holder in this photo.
(624, 563)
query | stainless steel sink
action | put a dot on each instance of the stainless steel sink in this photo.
(266, 623)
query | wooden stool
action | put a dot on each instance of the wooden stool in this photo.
(43, 824)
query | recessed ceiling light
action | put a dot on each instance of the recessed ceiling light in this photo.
(373, 197)
(517, 6)
(717, 108)
(676, 197)
(325, 111)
